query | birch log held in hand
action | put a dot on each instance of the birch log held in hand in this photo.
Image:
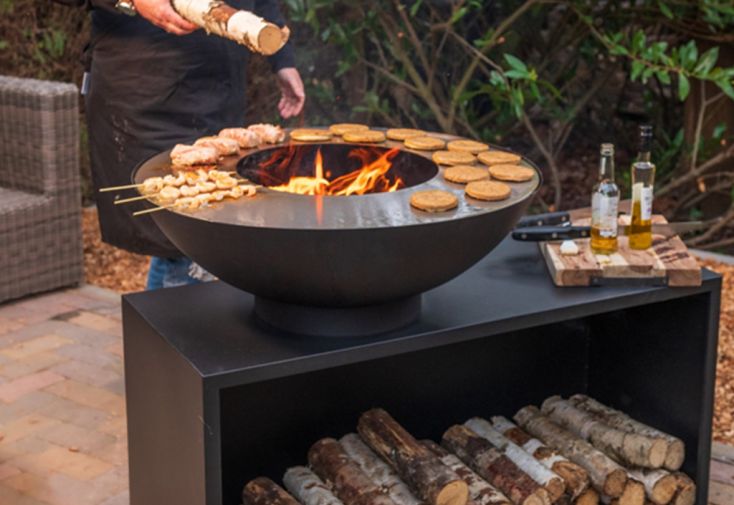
(676, 451)
(379, 471)
(629, 448)
(527, 463)
(350, 484)
(481, 492)
(244, 27)
(576, 478)
(308, 488)
(416, 465)
(263, 491)
(608, 477)
(494, 466)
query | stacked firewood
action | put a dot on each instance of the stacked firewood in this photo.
(574, 451)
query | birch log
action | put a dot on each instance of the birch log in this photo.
(263, 491)
(608, 477)
(527, 463)
(660, 486)
(633, 494)
(576, 478)
(379, 471)
(675, 452)
(417, 466)
(349, 483)
(481, 492)
(244, 27)
(494, 466)
(308, 488)
(629, 448)
(686, 494)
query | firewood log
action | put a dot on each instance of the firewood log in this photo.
(633, 494)
(589, 497)
(494, 466)
(308, 488)
(527, 463)
(481, 492)
(263, 491)
(608, 477)
(675, 453)
(576, 478)
(686, 494)
(417, 466)
(660, 485)
(348, 482)
(244, 27)
(379, 471)
(628, 448)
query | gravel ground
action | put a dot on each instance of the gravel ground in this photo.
(125, 272)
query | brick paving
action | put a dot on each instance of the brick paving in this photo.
(62, 407)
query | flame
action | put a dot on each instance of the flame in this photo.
(370, 178)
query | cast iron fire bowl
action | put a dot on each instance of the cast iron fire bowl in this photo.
(339, 251)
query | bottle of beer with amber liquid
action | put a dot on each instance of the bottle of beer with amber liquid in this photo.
(604, 205)
(643, 180)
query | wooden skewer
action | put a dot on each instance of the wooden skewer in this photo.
(117, 188)
(131, 199)
(154, 209)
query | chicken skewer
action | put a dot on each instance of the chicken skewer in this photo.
(194, 202)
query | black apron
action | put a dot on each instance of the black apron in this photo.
(150, 90)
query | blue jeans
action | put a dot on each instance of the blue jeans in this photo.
(169, 272)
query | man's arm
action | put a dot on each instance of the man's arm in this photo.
(158, 12)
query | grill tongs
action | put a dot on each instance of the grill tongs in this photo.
(557, 226)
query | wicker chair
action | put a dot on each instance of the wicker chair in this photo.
(40, 201)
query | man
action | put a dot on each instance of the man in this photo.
(156, 80)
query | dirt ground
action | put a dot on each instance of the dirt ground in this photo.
(124, 272)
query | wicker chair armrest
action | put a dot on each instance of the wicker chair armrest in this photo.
(39, 135)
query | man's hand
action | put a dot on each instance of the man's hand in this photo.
(292, 94)
(161, 14)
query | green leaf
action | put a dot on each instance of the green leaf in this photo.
(719, 131)
(517, 74)
(707, 61)
(683, 87)
(726, 87)
(665, 9)
(638, 41)
(458, 14)
(414, 8)
(689, 54)
(637, 68)
(663, 76)
(618, 50)
(4, 44)
(515, 63)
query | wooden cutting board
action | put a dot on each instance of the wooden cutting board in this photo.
(667, 263)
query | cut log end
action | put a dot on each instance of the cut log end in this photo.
(454, 493)
(271, 39)
(658, 454)
(686, 494)
(675, 456)
(615, 483)
(633, 494)
(263, 491)
(588, 497)
(664, 490)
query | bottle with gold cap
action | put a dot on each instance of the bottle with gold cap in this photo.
(643, 180)
(604, 205)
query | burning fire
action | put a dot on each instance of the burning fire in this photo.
(370, 178)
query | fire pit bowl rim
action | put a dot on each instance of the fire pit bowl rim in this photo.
(271, 209)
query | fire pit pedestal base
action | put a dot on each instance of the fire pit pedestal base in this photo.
(338, 322)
